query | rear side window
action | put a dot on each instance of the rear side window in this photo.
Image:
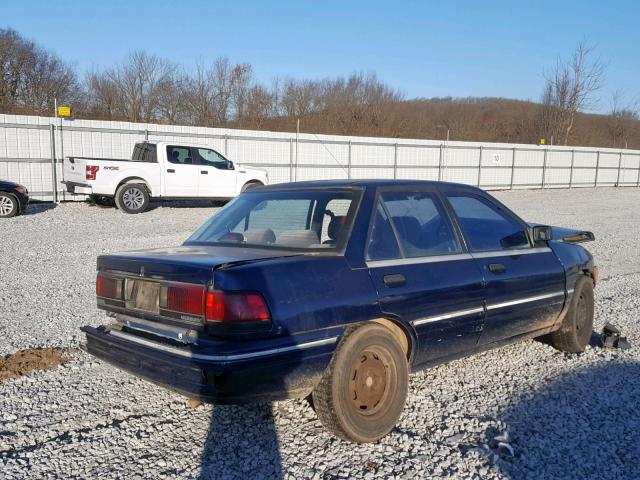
(179, 155)
(485, 225)
(421, 225)
(382, 243)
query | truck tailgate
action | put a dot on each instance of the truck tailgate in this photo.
(74, 169)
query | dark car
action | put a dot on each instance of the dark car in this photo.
(339, 289)
(14, 199)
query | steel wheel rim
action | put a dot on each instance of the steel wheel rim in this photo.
(133, 198)
(6, 205)
(369, 381)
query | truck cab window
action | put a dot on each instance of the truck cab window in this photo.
(211, 158)
(179, 155)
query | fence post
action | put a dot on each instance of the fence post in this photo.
(513, 167)
(291, 159)
(349, 162)
(395, 161)
(595, 184)
(573, 155)
(146, 135)
(54, 174)
(440, 165)
(544, 167)
(226, 144)
(619, 165)
(479, 165)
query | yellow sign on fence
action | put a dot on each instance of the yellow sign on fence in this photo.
(64, 111)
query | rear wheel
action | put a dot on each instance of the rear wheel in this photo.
(575, 332)
(363, 391)
(8, 205)
(132, 198)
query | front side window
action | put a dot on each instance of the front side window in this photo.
(179, 155)
(420, 223)
(286, 219)
(211, 158)
(486, 226)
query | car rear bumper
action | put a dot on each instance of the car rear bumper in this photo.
(78, 188)
(214, 377)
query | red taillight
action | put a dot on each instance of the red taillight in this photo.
(92, 170)
(186, 299)
(236, 307)
(108, 287)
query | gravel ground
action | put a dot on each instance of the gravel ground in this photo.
(564, 416)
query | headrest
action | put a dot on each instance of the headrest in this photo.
(260, 236)
(298, 238)
(336, 225)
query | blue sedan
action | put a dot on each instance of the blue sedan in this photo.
(336, 291)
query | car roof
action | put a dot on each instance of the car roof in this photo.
(365, 183)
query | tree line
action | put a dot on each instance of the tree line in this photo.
(219, 93)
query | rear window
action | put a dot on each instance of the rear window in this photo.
(301, 219)
(144, 152)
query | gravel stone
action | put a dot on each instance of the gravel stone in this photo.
(567, 416)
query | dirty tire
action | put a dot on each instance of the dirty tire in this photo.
(132, 198)
(575, 331)
(250, 185)
(8, 205)
(363, 390)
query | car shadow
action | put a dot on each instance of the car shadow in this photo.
(580, 424)
(35, 207)
(242, 442)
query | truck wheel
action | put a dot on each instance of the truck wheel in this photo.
(8, 205)
(575, 331)
(362, 393)
(132, 198)
(250, 185)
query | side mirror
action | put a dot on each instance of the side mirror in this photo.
(230, 165)
(541, 233)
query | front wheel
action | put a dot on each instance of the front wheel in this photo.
(8, 205)
(132, 198)
(575, 332)
(250, 185)
(362, 393)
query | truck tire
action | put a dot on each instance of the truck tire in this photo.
(250, 185)
(132, 198)
(8, 205)
(362, 393)
(575, 332)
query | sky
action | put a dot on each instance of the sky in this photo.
(423, 48)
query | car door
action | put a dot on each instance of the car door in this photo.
(422, 274)
(524, 284)
(216, 175)
(181, 173)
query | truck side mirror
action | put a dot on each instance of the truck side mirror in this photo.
(230, 165)
(541, 233)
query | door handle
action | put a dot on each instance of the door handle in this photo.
(395, 280)
(497, 268)
(204, 172)
(170, 170)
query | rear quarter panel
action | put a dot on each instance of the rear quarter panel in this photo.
(306, 293)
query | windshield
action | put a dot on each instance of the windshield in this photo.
(295, 219)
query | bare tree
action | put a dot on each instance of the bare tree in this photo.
(623, 117)
(570, 88)
(31, 77)
(239, 86)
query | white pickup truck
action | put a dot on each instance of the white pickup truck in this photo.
(159, 170)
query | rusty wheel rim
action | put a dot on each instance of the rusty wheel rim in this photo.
(369, 381)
